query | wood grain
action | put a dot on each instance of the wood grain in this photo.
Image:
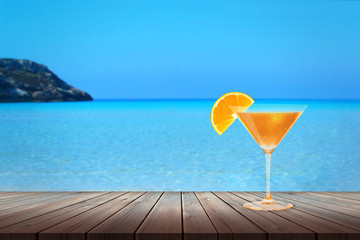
(164, 221)
(197, 225)
(22, 215)
(177, 216)
(240, 226)
(123, 224)
(36, 203)
(276, 226)
(78, 226)
(328, 214)
(28, 229)
(325, 229)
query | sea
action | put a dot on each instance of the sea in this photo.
(170, 145)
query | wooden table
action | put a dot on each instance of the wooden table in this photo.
(176, 215)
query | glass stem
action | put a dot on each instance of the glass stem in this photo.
(268, 199)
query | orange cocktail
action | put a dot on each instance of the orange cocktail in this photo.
(268, 125)
(268, 128)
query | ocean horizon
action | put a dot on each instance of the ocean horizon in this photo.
(169, 144)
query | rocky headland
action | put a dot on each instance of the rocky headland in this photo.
(28, 81)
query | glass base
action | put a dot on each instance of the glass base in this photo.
(261, 205)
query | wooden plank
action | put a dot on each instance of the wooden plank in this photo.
(27, 230)
(240, 226)
(353, 203)
(43, 202)
(329, 199)
(326, 230)
(21, 196)
(78, 226)
(344, 195)
(30, 198)
(224, 232)
(356, 195)
(164, 222)
(175, 215)
(196, 223)
(330, 206)
(14, 195)
(123, 224)
(327, 214)
(20, 216)
(276, 226)
(6, 192)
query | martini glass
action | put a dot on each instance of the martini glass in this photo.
(268, 124)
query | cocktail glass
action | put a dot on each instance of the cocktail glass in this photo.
(268, 124)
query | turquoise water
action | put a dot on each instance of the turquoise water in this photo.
(170, 145)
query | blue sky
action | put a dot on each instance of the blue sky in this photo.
(191, 49)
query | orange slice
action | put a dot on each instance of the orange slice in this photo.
(222, 113)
